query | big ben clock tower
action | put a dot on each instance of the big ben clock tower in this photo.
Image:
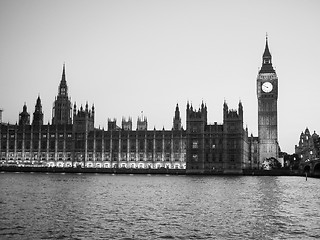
(267, 92)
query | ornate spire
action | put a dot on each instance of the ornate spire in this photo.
(63, 88)
(38, 104)
(266, 50)
(92, 110)
(38, 114)
(63, 78)
(240, 108)
(87, 107)
(266, 60)
(74, 108)
(177, 119)
(61, 112)
(24, 108)
(177, 112)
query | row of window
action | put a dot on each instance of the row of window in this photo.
(81, 158)
(35, 136)
(214, 157)
(80, 144)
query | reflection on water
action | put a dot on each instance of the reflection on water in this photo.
(92, 206)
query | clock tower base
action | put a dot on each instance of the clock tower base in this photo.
(268, 149)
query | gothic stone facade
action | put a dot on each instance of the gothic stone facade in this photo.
(218, 147)
(71, 140)
(308, 148)
(80, 144)
(200, 148)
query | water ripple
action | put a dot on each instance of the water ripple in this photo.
(91, 206)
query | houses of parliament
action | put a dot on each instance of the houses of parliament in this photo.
(71, 140)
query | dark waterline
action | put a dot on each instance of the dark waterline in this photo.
(93, 206)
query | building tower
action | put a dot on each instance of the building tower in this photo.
(61, 112)
(142, 124)
(83, 120)
(267, 93)
(127, 124)
(234, 139)
(24, 116)
(38, 114)
(177, 119)
(196, 124)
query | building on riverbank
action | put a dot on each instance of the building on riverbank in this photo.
(216, 147)
(71, 140)
(308, 148)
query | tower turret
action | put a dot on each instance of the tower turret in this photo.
(63, 88)
(233, 119)
(38, 114)
(240, 109)
(196, 120)
(74, 109)
(225, 109)
(142, 123)
(24, 116)
(83, 120)
(127, 124)
(177, 119)
(195, 130)
(61, 112)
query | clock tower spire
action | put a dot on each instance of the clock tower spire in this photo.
(267, 93)
(266, 60)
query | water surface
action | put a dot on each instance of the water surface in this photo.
(93, 206)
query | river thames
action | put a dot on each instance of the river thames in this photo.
(93, 206)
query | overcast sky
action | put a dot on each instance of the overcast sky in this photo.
(133, 56)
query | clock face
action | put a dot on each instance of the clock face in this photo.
(267, 87)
